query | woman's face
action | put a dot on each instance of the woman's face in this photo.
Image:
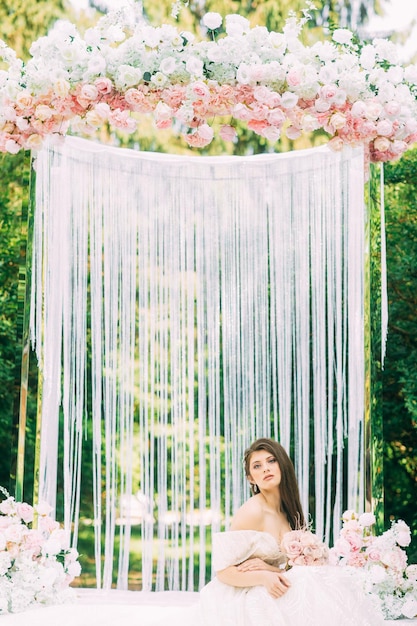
(264, 470)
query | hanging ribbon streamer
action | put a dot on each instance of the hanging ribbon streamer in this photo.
(200, 303)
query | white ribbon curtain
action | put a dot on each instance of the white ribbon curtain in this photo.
(181, 308)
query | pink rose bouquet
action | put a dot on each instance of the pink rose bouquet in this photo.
(36, 564)
(303, 547)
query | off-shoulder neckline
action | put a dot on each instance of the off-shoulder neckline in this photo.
(247, 531)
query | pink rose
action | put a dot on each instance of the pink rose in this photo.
(228, 133)
(328, 92)
(137, 101)
(122, 120)
(272, 133)
(103, 85)
(373, 553)
(358, 109)
(89, 92)
(200, 89)
(382, 144)
(276, 117)
(392, 108)
(384, 128)
(293, 77)
(321, 105)
(201, 138)
(293, 132)
(395, 558)
(266, 96)
(47, 524)
(356, 559)
(25, 511)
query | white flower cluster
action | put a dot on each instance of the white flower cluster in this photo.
(270, 81)
(382, 560)
(36, 564)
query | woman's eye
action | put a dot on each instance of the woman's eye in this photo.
(272, 460)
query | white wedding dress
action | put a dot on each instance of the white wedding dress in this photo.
(318, 596)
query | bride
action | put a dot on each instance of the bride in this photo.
(251, 587)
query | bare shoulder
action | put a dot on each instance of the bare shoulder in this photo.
(249, 516)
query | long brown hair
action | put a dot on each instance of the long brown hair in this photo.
(289, 492)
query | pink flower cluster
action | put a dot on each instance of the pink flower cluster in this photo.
(357, 546)
(27, 119)
(34, 554)
(303, 547)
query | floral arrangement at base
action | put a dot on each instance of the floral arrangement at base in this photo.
(302, 547)
(356, 92)
(382, 562)
(36, 563)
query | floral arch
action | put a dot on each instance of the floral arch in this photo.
(123, 67)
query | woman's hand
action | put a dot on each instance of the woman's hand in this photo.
(255, 564)
(276, 584)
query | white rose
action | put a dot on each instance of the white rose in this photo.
(128, 76)
(395, 74)
(342, 35)
(367, 58)
(194, 66)
(236, 25)
(367, 519)
(289, 100)
(168, 65)
(212, 20)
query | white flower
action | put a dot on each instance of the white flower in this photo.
(43, 508)
(289, 100)
(128, 76)
(395, 74)
(342, 35)
(368, 57)
(212, 21)
(367, 519)
(236, 25)
(194, 66)
(159, 79)
(409, 608)
(168, 65)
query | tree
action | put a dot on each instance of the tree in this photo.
(399, 377)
